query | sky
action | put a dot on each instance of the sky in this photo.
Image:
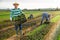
(30, 4)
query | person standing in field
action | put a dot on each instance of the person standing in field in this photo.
(14, 16)
(45, 16)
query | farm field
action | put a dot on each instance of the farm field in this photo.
(5, 15)
(37, 33)
(58, 38)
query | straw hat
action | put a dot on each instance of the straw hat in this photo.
(15, 3)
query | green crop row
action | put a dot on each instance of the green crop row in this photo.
(57, 35)
(5, 24)
(6, 33)
(58, 38)
(55, 19)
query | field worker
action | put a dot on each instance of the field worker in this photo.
(45, 16)
(14, 17)
(31, 16)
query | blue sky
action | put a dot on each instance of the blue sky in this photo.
(30, 4)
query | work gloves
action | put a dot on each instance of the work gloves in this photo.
(10, 19)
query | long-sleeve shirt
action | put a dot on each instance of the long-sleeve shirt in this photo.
(15, 12)
(45, 14)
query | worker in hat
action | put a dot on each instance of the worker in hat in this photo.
(13, 17)
(45, 16)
